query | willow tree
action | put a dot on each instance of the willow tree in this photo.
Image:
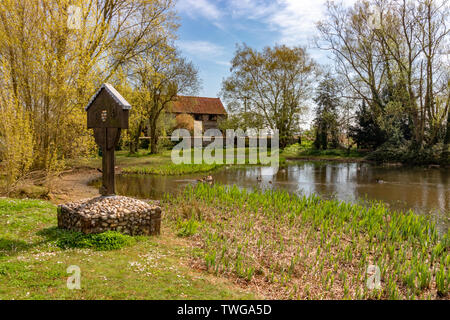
(51, 69)
(275, 83)
(158, 77)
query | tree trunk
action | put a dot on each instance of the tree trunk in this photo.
(134, 143)
(445, 158)
(131, 150)
(153, 137)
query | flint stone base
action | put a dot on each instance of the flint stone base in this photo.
(116, 213)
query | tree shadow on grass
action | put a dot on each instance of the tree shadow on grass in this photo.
(11, 247)
(53, 234)
(66, 239)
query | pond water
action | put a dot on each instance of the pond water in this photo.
(424, 190)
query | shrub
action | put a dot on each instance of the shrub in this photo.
(185, 121)
(164, 143)
(404, 154)
(144, 144)
(109, 240)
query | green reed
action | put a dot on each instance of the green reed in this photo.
(294, 242)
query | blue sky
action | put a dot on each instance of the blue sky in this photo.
(210, 30)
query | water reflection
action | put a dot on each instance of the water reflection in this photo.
(426, 191)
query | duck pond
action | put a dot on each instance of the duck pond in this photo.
(421, 189)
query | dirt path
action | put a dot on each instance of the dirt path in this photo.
(73, 185)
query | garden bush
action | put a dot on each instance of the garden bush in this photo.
(405, 154)
(110, 240)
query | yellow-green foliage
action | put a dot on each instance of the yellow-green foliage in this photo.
(16, 137)
(50, 70)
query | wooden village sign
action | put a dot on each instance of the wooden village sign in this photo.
(107, 114)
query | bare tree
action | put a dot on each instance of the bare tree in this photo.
(413, 38)
(396, 65)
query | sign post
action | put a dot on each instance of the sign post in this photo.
(107, 114)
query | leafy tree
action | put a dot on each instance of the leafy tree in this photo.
(326, 121)
(50, 71)
(366, 132)
(274, 83)
(158, 77)
(16, 142)
(242, 120)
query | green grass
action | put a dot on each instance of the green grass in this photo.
(306, 151)
(20, 220)
(142, 163)
(33, 266)
(278, 244)
(172, 169)
(124, 159)
(293, 246)
(109, 240)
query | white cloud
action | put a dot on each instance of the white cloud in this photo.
(251, 9)
(294, 20)
(201, 49)
(223, 63)
(202, 8)
(206, 51)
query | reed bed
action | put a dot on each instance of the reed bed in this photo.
(288, 246)
(164, 165)
(172, 169)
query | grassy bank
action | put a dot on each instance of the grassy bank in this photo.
(125, 160)
(220, 242)
(33, 264)
(172, 169)
(162, 164)
(306, 152)
(289, 246)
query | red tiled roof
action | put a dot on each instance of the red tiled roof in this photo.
(199, 105)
